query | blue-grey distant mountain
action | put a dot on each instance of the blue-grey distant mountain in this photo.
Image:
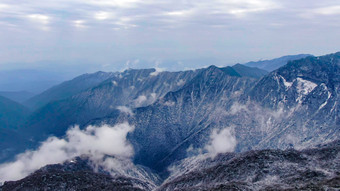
(34, 81)
(270, 65)
(20, 96)
(12, 142)
(12, 117)
(12, 114)
(68, 89)
(251, 72)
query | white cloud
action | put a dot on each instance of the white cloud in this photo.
(181, 82)
(125, 109)
(143, 100)
(179, 13)
(125, 23)
(102, 15)
(3, 7)
(169, 103)
(113, 3)
(156, 72)
(43, 19)
(96, 142)
(221, 141)
(153, 97)
(157, 69)
(140, 100)
(331, 10)
(79, 23)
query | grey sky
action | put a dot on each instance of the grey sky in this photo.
(171, 34)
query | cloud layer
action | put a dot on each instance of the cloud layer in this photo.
(107, 33)
(96, 142)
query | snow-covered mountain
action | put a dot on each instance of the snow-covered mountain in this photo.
(179, 117)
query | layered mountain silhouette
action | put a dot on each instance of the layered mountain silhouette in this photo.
(12, 114)
(293, 108)
(270, 65)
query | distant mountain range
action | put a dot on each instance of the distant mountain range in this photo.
(175, 115)
(67, 89)
(12, 114)
(12, 117)
(17, 96)
(34, 81)
(270, 65)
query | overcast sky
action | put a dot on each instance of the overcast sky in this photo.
(171, 34)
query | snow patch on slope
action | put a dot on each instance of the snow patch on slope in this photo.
(303, 88)
(328, 97)
(286, 83)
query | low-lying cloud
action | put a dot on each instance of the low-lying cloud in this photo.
(221, 141)
(143, 100)
(96, 142)
(125, 109)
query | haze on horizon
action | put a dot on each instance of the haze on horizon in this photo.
(111, 35)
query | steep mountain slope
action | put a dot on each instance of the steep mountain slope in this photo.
(306, 94)
(270, 65)
(165, 129)
(310, 169)
(120, 94)
(130, 89)
(264, 114)
(68, 89)
(12, 114)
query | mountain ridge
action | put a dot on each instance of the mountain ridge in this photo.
(273, 64)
